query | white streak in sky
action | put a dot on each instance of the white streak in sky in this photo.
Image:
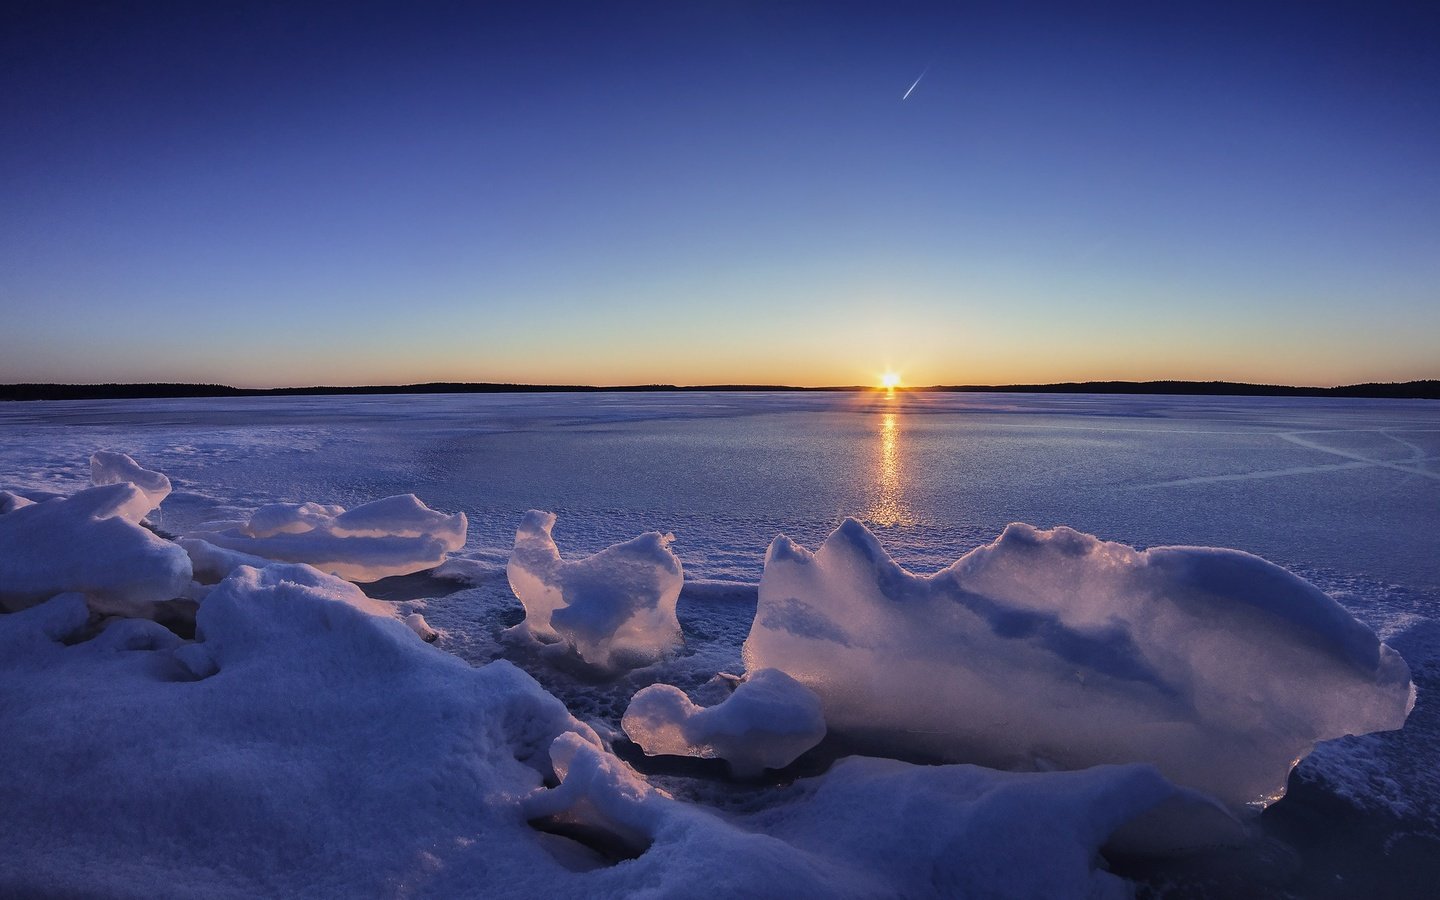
(912, 87)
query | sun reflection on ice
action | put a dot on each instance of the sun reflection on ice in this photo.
(887, 506)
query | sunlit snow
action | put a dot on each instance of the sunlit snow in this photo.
(1053, 649)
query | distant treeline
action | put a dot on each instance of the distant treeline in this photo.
(167, 389)
(1421, 390)
(1400, 390)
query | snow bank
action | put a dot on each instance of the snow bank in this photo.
(616, 609)
(117, 468)
(766, 723)
(1055, 649)
(303, 747)
(394, 536)
(10, 502)
(89, 543)
(321, 752)
(867, 828)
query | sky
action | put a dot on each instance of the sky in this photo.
(266, 194)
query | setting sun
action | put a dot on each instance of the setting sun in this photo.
(890, 381)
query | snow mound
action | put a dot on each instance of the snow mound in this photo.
(1053, 649)
(322, 752)
(117, 468)
(766, 723)
(9, 502)
(273, 575)
(615, 609)
(394, 536)
(89, 543)
(212, 564)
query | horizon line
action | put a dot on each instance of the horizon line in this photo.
(1423, 389)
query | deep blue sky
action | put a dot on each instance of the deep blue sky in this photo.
(279, 193)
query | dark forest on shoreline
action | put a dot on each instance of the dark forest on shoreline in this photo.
(1412, 390)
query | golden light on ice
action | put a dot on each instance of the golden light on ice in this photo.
(890, 380)
(887, 499)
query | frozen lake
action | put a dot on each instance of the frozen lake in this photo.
(1342, 487)
(1344, 492)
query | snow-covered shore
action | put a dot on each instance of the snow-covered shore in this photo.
(303, 740)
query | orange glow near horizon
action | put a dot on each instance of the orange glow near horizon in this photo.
(890, 381)
(376, 361)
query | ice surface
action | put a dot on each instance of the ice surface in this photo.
(117, 468)
(89, 543)
(727, 470)
(766, 723)
(394, 536)
(615, 609)
(1053, 648)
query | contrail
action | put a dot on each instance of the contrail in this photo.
(912, 87)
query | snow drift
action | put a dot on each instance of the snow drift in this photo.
(394, 536)
(766, 723)
(615, 609)
(1055, 649)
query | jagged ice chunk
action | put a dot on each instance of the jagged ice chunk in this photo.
(107, 467)
(766, 723)
(1054, 648)
(393, 536)
(89, 543)
(616, 609)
